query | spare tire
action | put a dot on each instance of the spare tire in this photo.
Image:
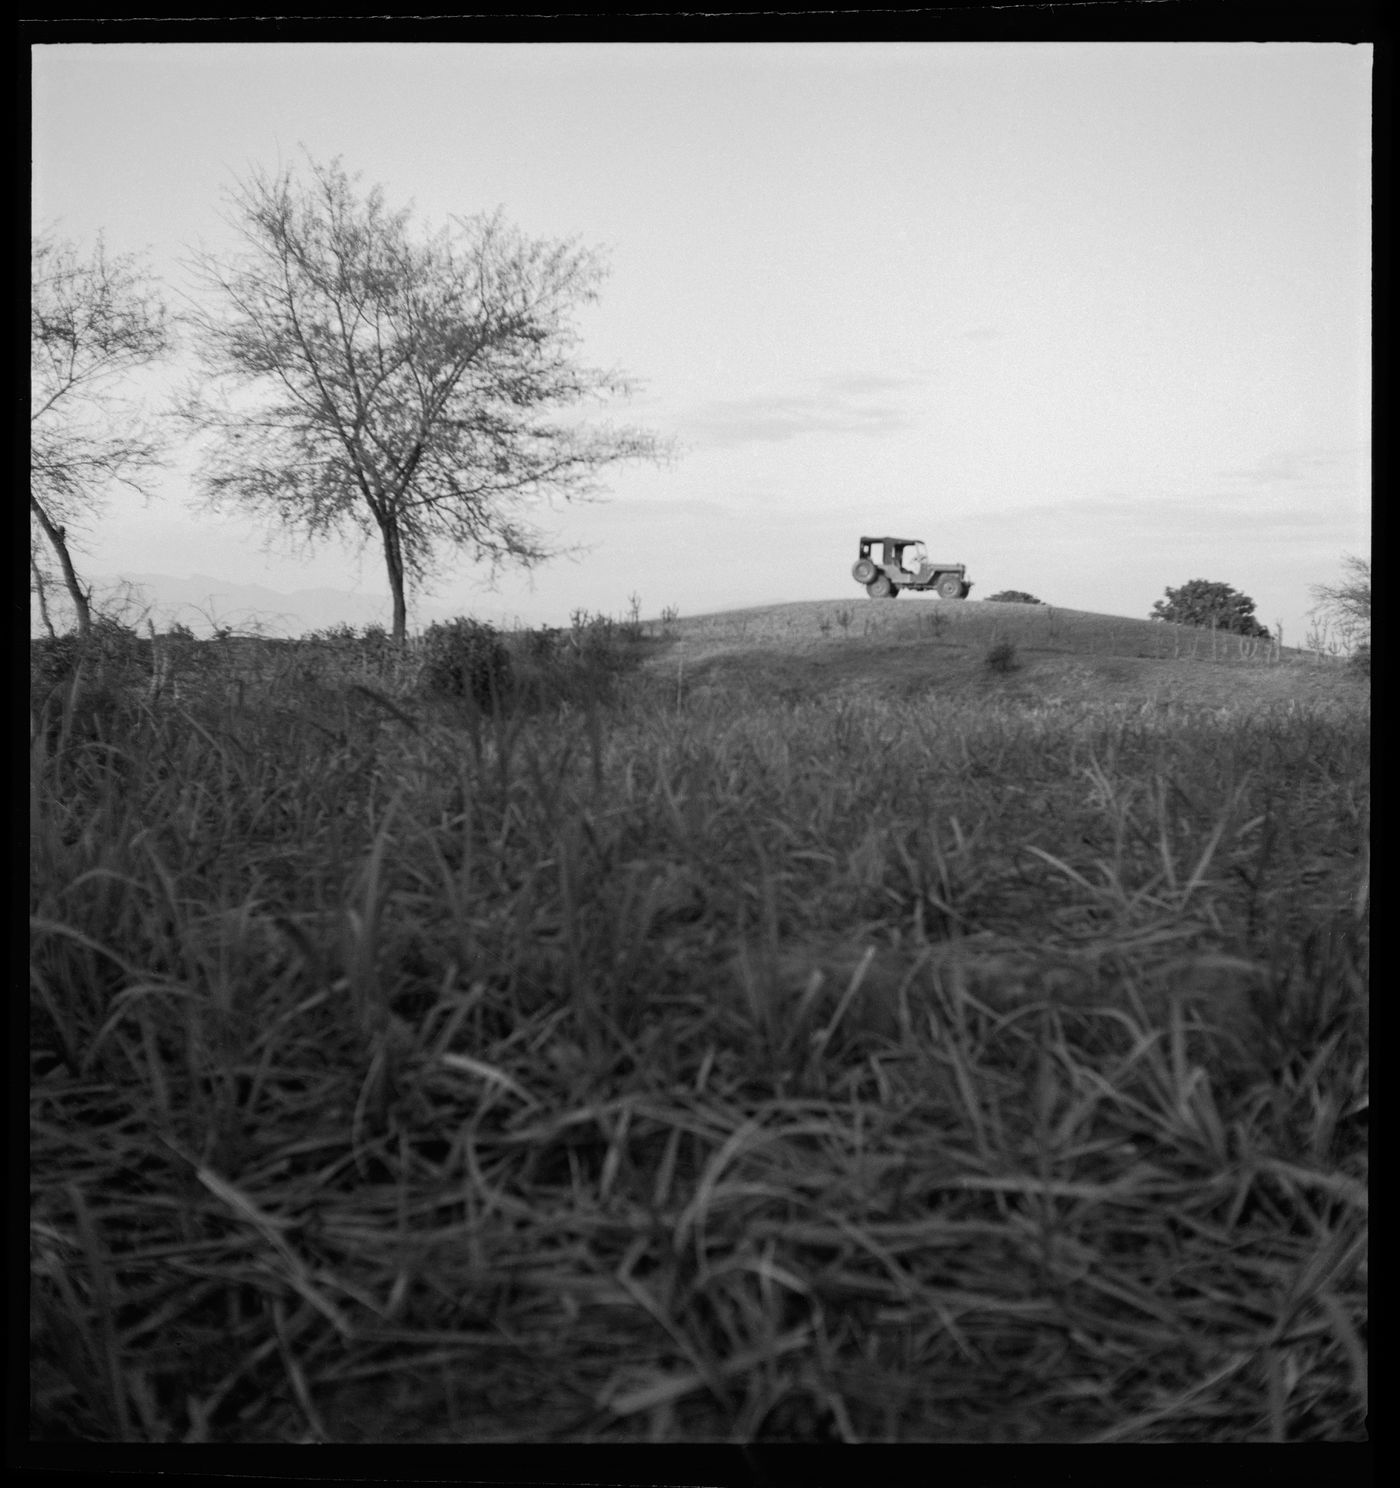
(863, 571)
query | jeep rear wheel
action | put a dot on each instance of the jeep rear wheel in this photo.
(950, 587)
(880, 588)
(863, 571)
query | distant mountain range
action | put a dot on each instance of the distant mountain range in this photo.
(201, 602)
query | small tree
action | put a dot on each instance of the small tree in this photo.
(1204, 603)
(1348, 603)
(93, 320)
(397, 385)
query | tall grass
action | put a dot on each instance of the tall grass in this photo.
(713, 1067)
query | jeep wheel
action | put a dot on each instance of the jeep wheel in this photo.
(863, 571)
(880, 588)
(950, 587)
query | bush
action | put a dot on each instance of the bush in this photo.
(465, 658)
(112, 654)
(1205, 603)
(543, 645)
(1361, 659)
(342, 633)
(1347, 605)
(52, 659)
(1015, 596)
(1002, 657)
(580, 666)
(603, 645)
(373, 643)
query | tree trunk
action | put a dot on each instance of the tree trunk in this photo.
(41, 588)
(393, 563)
(57, 536)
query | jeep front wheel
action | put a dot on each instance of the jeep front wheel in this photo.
(863, 571)
(950, 587)
(880, 588)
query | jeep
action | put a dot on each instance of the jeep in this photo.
(886, 565)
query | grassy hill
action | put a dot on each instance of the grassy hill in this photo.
(918, 646)
(850, 1021)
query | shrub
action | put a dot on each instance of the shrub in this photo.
(603, 644)
(465, 658)
(342, 633)
(1347, 605)
(52, 659)
(544, 644)
(372, 644)
(1361, 659)
(113, 654)
(1205, 603)
(113, 663)
(1015, 596)
(580, 665)
(115, 643)
(1002, 657)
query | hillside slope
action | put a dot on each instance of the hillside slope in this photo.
(919, 647)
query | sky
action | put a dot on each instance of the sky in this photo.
(1091, 318)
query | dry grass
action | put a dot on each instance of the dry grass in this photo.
(789, 1049)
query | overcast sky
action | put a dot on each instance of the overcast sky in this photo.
(1093, 319)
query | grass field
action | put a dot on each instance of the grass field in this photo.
(860, 1021)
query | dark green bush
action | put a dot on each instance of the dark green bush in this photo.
(1015, 596)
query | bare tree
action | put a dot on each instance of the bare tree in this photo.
(94, 321)
(1348, 603)
(366, 379)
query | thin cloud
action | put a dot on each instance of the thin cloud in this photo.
(853, 403)
(662, 508)
(1311, 467)
(1152, 515)
(856, 384)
